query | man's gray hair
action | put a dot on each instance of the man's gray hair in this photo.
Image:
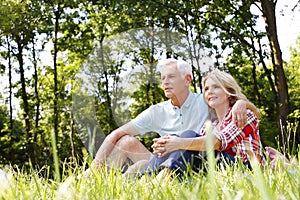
(184, 67)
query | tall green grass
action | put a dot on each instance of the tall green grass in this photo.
(230, 183)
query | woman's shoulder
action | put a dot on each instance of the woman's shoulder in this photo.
(251, 115)
(250, 112)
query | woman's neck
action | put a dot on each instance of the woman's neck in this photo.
(221, 112)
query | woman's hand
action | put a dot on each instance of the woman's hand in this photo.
(276, 156)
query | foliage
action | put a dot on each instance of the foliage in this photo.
(95, 39)
(293, 76)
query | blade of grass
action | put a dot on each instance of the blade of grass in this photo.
(260, 181)
(211, 161)
(55, 156)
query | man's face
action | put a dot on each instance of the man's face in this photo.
(173, 82)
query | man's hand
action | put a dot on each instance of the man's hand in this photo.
(239, 113)
(165, 145)
(158, 145)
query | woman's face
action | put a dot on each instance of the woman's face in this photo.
(214, 95)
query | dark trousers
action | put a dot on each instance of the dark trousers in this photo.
(179, 160)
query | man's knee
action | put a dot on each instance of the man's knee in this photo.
(127, 141)
(189, 134)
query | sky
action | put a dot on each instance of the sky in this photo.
(288, 25)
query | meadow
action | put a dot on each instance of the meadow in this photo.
(232, 182)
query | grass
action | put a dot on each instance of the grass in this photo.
(230, 183)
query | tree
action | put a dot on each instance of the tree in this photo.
(281, 98)
(106, 39)
(19, 31)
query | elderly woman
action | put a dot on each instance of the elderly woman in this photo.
(230, 143)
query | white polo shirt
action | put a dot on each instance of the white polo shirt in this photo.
(164, 118)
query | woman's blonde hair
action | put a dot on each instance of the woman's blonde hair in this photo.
(228, 84)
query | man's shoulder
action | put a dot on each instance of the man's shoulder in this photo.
(197, 95)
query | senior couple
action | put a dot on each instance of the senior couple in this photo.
(181, 124)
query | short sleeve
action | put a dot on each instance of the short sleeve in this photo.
(143, 123)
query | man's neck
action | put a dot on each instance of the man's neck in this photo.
(179, 101)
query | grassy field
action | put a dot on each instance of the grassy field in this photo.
(230, 183)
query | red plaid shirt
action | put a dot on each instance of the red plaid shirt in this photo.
(243, 143)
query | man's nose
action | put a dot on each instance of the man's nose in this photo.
(165, 81)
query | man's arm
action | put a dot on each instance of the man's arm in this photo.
(167, 144)
(111, 140)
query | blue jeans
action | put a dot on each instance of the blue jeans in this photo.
(179, 160)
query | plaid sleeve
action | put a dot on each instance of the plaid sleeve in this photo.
(230, 135)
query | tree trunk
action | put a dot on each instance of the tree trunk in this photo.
(11, 124)
(106, 83)
(254, 77)
(267, 71)
(71, 138)
(36, 92)
(26, 115)
(255, 84)
(192, 55)
(282, 98)
(55, 100)
(151, 81)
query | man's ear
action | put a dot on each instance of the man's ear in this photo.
(188, 78)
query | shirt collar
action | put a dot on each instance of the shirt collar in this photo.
(228, 111)
(216, 121)
(188, 100)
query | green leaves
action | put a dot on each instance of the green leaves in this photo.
(208, 34)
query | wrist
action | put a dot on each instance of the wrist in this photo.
(182, 144)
